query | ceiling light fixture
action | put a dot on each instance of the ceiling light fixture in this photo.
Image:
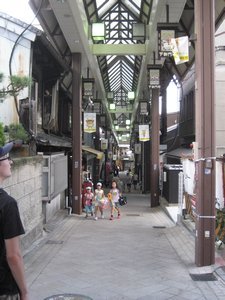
(110, 95)
(138, 31)
(98, 31)
(112, 106)
(131, 95)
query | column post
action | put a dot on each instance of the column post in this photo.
(205, 132)
(76, 133)
(154, 142)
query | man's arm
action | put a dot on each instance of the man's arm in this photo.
(15, 261)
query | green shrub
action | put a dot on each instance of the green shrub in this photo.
(17, 132)
(2, 136)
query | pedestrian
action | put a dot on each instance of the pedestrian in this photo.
(123, 181)
(12, 276)
(129, 181)
(88, 198)
(113, 196)
(135, 180)
(99, 200)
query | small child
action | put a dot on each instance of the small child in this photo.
(88, 197)
(99, 200)
(114, 201)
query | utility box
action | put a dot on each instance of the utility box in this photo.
(170, 182)
(54, 175)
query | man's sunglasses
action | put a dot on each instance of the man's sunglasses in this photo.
(9, 158)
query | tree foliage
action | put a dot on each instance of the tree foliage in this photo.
(17, 132)
(2, 136)
(16, 84)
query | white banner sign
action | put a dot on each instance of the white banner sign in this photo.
(180, 49)
(143, 133)
(90, 122)
(104, 144)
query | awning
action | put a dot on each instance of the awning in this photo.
(53, 140)
(99, 154)
(180, 152)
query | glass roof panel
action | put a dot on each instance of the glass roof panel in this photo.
(110, 58)
(99, 3)
(120, 73)
(104, 5)
(134, 5)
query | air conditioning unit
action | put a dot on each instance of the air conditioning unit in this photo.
(54, 175)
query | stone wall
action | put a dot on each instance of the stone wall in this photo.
(25, 186)
(50, 208)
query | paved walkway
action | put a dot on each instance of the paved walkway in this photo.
(144, 256)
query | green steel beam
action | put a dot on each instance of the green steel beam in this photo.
(120, 111)
(118, 49)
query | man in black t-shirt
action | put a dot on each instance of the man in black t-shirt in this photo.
(12, 278)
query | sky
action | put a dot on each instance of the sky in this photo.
(21, 10)
(172, 98)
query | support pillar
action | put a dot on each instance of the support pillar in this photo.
(164, 105)
(205, 132)
(76, 134)
(154, 172)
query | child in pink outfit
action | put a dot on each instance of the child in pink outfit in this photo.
(114, 201)
(88, 198)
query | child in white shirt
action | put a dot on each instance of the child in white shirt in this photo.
(99, 200)
(114, 199)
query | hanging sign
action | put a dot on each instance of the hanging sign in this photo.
(180, 49)
(164, 42)
(114, 157)
(89, 122)
(137, 148)
(110, 155)
(143, 108)
(154, 78)
(143, 133)
(104, 144)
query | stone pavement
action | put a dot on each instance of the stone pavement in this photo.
(143, 256)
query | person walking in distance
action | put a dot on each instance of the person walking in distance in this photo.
(129, 181)
(12, 276)
(135, 180)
